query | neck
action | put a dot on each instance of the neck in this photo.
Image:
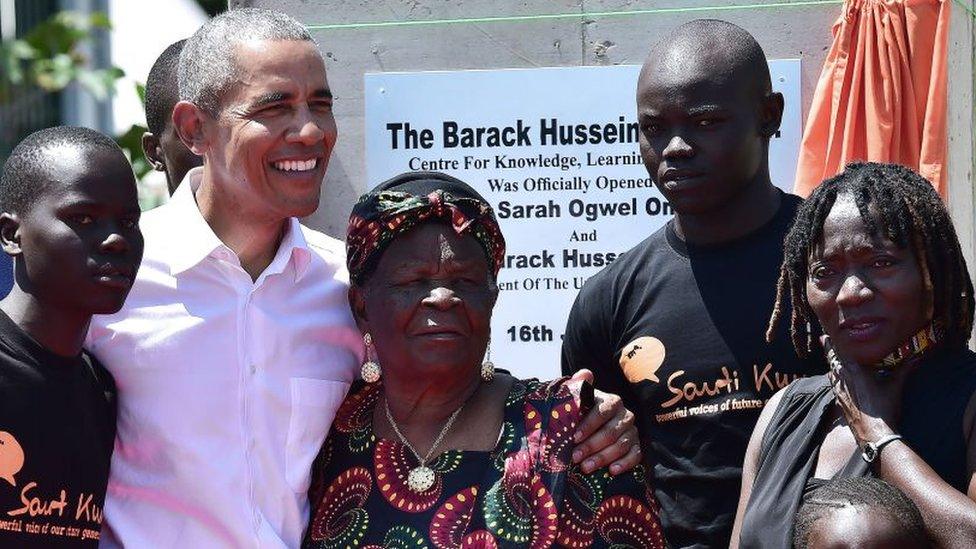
(421, 407)
(744, 213)
(253, 236)
(61, 332)
(916, 347)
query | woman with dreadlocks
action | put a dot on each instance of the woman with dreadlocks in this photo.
(873, 261)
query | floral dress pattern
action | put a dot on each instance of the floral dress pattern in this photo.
(524, 493)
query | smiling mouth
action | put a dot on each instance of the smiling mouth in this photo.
(296, 165)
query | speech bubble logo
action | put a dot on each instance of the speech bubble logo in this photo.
(11, 457)
(641, 358)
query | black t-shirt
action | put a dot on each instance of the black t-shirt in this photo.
(57, 430)
(679, 332)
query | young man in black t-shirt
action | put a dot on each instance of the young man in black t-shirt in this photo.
(70, 221)
(677, 324)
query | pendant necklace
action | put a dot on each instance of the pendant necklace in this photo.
(421, 478)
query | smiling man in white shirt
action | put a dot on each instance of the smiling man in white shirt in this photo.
(236, 344)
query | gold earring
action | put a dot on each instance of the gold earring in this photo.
(488, 367)
(371, 368)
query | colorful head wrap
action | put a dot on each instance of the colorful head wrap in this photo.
(408, 200)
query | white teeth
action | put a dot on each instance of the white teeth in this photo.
(296, 165)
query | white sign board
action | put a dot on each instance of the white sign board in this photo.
(555, 151)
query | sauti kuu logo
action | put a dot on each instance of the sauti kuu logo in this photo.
(642, 358)
(44, 512)
(11, 457)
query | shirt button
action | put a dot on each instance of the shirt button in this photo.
(254, 368)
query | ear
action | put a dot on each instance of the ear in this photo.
(153, 151)
(10, 234)
(188, 122)
(771, 114)
(357, 302)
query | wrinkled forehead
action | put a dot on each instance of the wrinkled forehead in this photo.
(432, 243)
(260, 54)
(288, 65)
(846, 215)
(845, 229)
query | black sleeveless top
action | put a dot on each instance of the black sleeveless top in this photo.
(935, 399)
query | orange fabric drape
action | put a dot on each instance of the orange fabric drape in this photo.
(882, 92)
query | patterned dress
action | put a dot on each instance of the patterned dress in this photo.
(523, 493)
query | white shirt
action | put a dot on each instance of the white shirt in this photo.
(227, 387)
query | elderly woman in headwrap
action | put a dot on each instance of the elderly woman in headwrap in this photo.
(435, 448)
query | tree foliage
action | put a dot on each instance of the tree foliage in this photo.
(51, 57)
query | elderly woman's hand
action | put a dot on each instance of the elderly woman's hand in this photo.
(869, 400)
(607, 435)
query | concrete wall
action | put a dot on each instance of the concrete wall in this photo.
(588, 39)
(962, 128)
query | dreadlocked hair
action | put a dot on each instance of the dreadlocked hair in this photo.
(867, 492)
(908, 212)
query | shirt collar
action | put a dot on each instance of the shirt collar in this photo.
(192, 236)
(292, 249)
(195, 240)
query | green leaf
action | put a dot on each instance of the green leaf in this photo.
(61, 33)
(20, 49)
(56, 73)
(141, 92)
(131, 139)
(13, 54)
(131, 142)
(49, 58)
(141, 167)
(10, 67)
(99, 83)
(99, 20)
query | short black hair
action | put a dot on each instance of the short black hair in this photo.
(745, 57)
(859, 492)
(25, 174)
(162, 88)
(909, 213)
